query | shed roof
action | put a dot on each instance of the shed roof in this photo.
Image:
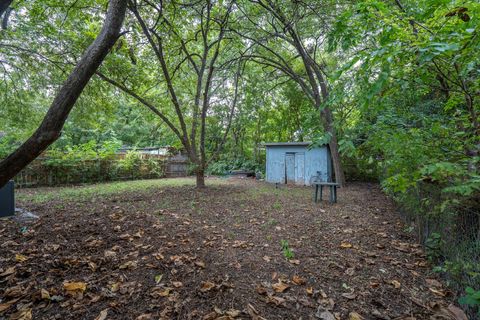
(281, 144)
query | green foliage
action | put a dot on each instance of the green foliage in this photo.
(286, 250)
(90, 162)
(413, 75)
(433, 246)
(471, 298)
(224, 166)
(7, 146)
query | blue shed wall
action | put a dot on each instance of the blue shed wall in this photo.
(317, 159)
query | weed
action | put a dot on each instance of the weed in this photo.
(277, 205)
(286, 250)
(472, 299)
(270, 223)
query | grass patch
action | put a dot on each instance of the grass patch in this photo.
(86, 192)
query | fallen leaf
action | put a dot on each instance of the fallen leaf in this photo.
(24, 314)
(44, 294)
(8, 272)
(298, 280)
(165, 292)
(294, 261)
(451, 313)
(440, 293)
(200, 264)
(20, 258)
(349, 295)
(276, 300)
(254, 313)
(280, 286)
(350, 271)
(7, 305)
(433, 283)
(103, 315)
(232, 313)
(14, 292)
(346, 245)
(395, 283)
(158, 256)
(207, 286)
(309, 290)
(324, 315)
(92, 265)
(354, 316)
(158, 278)
(75, 286)
(210, 316)
(128, 265)
(261, 290)
(109, 253)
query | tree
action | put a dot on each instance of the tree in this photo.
(188, 59)
(52, 124)
(288, 41)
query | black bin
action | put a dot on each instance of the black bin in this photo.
(7, 200)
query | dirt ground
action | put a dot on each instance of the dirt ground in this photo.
(218, 253)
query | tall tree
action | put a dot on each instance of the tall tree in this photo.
(52, 124)
(288, 36)
(181, 53)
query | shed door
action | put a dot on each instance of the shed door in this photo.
(290, 167)
(300, 168)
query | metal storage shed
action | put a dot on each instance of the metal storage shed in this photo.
(295, 162)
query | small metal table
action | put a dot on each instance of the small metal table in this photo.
(333, 190)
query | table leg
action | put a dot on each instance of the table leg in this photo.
(335, 193)
(316, 192)
(321, 192)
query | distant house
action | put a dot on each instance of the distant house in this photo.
(295, 162)
(159, 151)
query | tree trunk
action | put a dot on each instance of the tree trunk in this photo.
(329, 127)
(50, 128)
(200, 177)
(336, 161)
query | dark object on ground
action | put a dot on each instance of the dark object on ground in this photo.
(7, 200)
(242, 173)
(333, 190)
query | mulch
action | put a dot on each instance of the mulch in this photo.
(216, 253)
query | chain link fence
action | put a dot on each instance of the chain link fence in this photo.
(449, 229)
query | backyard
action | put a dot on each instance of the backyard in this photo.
(238, 249)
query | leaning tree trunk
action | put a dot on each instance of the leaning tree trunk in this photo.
(50, 128)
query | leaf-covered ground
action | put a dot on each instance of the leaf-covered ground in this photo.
(165, 250)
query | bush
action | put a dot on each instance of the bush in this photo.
(89, 163)
(224, 166)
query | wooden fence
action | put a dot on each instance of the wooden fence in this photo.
(47, 172)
